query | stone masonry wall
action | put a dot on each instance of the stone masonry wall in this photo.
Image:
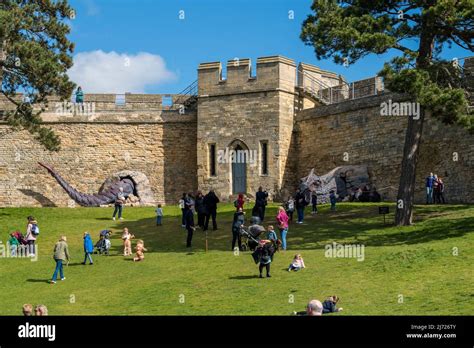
(326, 133)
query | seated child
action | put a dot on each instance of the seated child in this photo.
(329, 306)
(140, 248)
(297, 263)
(127, 242)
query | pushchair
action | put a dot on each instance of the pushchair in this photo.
(104, 244)
(21, 239)
(251, 235)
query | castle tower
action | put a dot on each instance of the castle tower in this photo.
(244, 125)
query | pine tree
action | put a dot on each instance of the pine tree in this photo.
(349, 30)
(35, 55)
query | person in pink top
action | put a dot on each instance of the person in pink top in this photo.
(30, 236)
(282, 219)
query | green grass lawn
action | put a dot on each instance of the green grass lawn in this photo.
(416, 263)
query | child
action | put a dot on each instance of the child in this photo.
(88, 248)
(332, 199)
(290, 208)
(140, 248)
(314, 202)
(265, 251)
(272, 236)
(159, 215)
(329, 306)
(127, 243)
(14, 244)
(297, 263)
(27, 310)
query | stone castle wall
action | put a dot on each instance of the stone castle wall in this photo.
(328, 135)
(159, 143)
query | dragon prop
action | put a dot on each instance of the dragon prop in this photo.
(133, 183)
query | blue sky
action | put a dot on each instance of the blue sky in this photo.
(157, 52)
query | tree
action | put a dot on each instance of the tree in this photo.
(350, 30)
(35, 55)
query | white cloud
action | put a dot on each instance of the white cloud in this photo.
(112, 72)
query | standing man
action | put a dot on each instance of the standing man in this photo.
(261, 202)
(200, 209)
(189, 221)
(300, 203)
(429, 188)
(119, 204)
(61, 255)
(210, 203)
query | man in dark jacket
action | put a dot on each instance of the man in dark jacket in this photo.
(300, 202)
(261, 202)
(210, 204)
(189, 221)
(200, 209)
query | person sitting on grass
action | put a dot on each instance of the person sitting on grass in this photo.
(329, 306)
(140, 248)
(127, 242)
(296, 264)
(27, 310)
(88, 248)
(41, 310)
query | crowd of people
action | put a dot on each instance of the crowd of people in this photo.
(434, 189)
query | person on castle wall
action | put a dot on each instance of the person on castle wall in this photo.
(200, 208)
(237, 223)
(314, 203)
(429, 188)
(441, 191)
(282, 220)
(189, 223)
(79, 97)
(118, 206)
(182, 206)
(239, 202)
(261, 202)
(210, 202)
(301, 203)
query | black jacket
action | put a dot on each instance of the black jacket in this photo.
(261, 199)
(300, 200)
(210, 202)
(199, 204)
(329, 307)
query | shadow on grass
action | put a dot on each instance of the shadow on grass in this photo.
(38, 281)
(245, 277)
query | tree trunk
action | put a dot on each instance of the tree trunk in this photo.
(406, 189)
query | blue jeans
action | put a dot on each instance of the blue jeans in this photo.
(158, 220)
(88, 255)
(118, 208)
(429, 195)
(300, 211)
(59, 268)
(283, 233)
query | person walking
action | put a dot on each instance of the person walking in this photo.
(88, 248)
(200, 209)
(189, 224)
(119, 202)
(210, 203)
(261, 202)
(61, 255)
(238, 222)
(282, 219)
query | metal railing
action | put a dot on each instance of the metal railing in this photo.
(188, 95)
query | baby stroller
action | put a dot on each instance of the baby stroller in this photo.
(251, 235)
(21, 239)
(104, 244)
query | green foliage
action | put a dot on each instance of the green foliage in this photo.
(350, 30)
(416, 262)
(33, 36)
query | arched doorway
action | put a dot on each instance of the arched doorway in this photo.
(239, 168)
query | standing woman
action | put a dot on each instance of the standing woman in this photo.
(61, 255)
(31, 228)
(282, 219)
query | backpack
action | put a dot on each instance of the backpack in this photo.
(236, 203)
(35, 229)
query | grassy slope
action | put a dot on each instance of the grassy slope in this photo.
(416, 262)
